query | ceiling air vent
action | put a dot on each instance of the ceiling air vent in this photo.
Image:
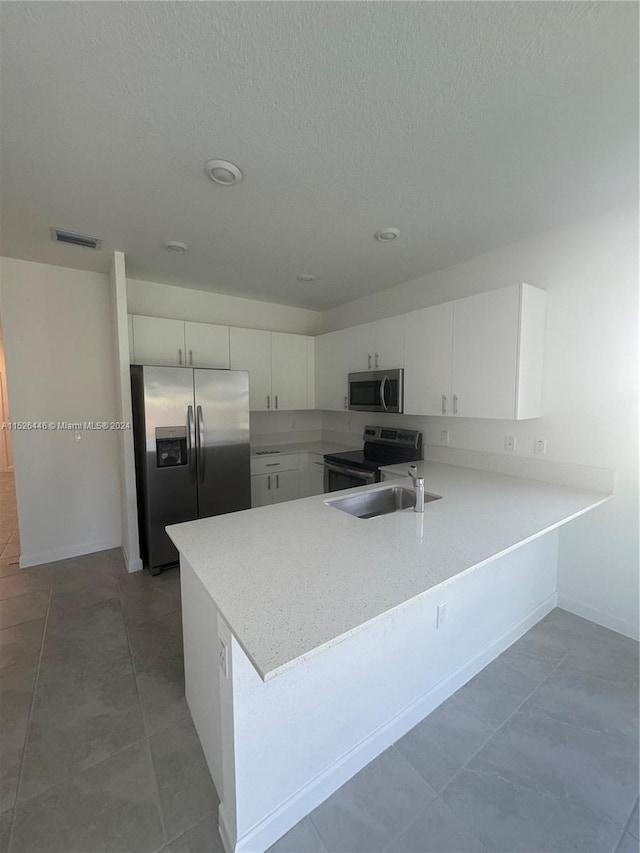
(61, 236)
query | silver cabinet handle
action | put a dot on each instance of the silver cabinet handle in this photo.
(276, 401)
(444, 404)
(277, 481)
(190, 358)
(346, 401)
(269, 482)
(369, 361)
(376, 361)
(455, 404)
(273, 465)
(268, 401)
(179, 355)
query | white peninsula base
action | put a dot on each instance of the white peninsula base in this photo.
(277, 748)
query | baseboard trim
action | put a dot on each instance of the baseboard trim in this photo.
(316, 791)
(225, 837)
(600, 617)
(55, 554)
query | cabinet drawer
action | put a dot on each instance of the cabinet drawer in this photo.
(274, 462)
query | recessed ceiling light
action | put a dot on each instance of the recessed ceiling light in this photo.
(386, 235)
(223, 172)
(306, 278)
(176, 247)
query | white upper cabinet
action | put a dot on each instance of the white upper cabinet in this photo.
(251, 350)
(428, 337)
(338, 354)
(389, 343)
(289, 379)
(279, 365)
(331, 377)
(206, 345)
(158, 341)
(497, 353)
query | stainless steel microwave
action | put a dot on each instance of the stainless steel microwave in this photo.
(377, 391)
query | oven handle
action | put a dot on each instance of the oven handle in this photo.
(370, 476)
(383, 402)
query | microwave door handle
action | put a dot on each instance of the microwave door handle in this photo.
(383, 385)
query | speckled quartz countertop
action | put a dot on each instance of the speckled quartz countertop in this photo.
(293, 578)
(321, 447)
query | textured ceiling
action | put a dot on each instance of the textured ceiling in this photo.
(465, 124)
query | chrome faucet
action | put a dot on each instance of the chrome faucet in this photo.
(418, 485)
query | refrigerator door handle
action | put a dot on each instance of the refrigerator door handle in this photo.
(191, 438)
(200, 443)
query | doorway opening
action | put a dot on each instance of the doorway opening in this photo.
(9, 534)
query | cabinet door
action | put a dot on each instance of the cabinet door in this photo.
(485, 352)
(251, 350)
(158, 341)
(331, 372)
(206, 345)
(311, 475)
(360, 347)
(388, 345)
(427, 366)
(262, 490)
(287, 486)
(289, 371)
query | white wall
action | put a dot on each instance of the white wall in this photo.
(590, 396)
(6, 452)
(181, 303)
(126, 454)
(58, 345)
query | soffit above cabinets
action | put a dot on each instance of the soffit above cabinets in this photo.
(465, 125)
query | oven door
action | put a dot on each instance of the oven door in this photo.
(338, 477)
(377, 391)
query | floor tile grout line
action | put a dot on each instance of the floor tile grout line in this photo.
(628, 821)
(502, 724)
(156, 788)
(29, 717)
(460, 769)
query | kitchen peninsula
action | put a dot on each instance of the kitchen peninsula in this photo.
(314, 639)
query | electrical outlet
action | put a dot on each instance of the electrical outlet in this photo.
(441, 614)
(444, 436)
(223, 661)
(540, 446)
(510, 443)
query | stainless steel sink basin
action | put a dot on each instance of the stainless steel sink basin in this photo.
(378, 501)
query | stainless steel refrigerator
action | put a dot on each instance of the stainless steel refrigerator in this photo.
(191, 439)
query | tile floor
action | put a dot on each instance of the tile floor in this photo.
(98, 752)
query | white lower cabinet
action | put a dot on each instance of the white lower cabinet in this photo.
(286, 486)
(311, 475)
(275, 478)
(274, 488)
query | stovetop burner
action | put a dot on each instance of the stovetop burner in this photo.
(382, 446)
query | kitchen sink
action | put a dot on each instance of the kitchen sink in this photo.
(379, 501)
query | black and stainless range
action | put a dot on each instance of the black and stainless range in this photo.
(382, 446)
